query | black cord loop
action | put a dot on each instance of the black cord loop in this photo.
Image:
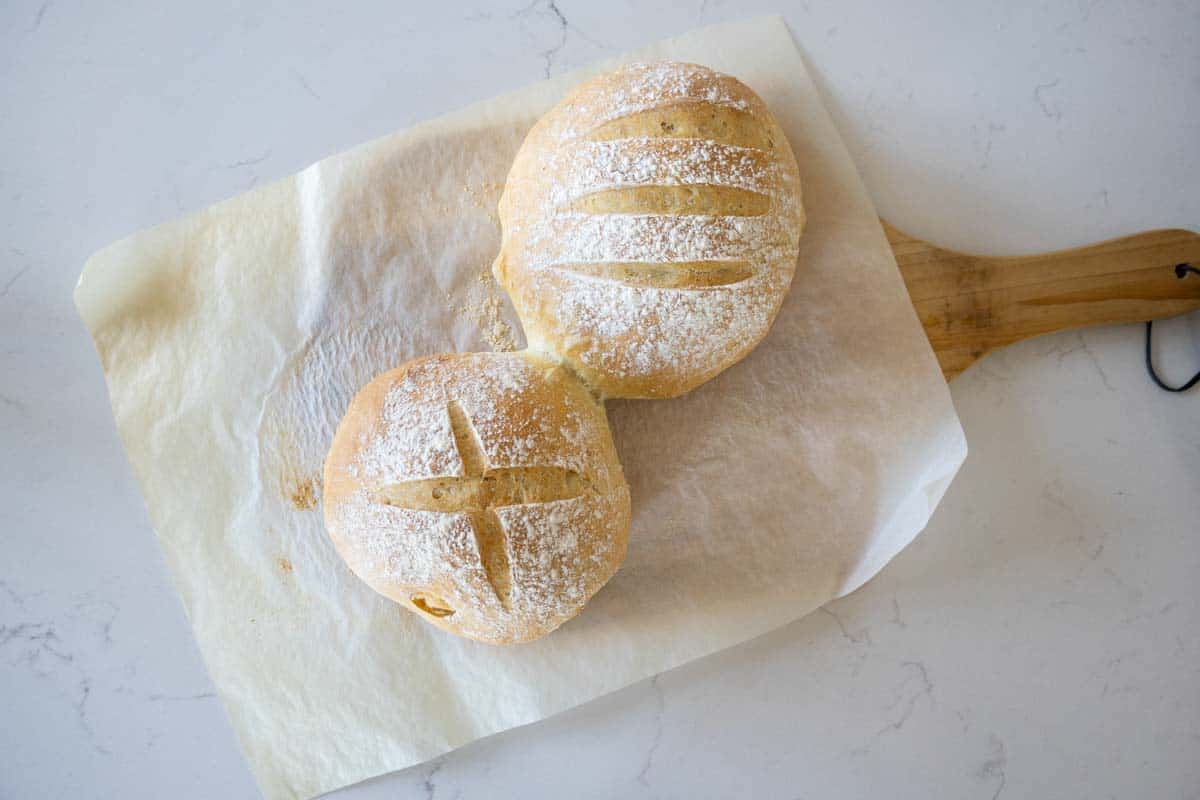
(1181, 272)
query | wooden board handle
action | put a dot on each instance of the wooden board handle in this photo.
(971, 304)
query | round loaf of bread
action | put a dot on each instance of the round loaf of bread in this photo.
(482, 491)
(651, 223)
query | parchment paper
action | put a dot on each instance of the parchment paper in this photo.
(233, 339)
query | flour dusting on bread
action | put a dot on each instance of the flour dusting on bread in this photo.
(663, 167)
(532, 434)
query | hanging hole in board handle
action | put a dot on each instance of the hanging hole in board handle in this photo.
(1181, 272)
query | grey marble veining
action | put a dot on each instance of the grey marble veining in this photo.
(1040, 639)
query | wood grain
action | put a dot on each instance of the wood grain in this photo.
(971, 305)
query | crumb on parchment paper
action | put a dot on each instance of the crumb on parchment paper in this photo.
(304, 494)
(485, 196)
(486, 311)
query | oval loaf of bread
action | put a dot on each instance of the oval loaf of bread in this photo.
(482, 491)
(651, 223)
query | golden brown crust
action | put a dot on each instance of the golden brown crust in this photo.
(650, 169)
(482, 491)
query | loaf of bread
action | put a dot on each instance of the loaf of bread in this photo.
(651, 223)
(482, 491)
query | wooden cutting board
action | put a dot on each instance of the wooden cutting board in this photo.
(971, 305)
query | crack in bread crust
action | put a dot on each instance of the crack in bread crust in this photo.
(691, 199)
(689, 120)
(479, 491)
(665, 275)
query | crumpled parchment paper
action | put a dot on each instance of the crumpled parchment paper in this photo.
(233, 339)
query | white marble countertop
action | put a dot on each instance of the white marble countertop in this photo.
(1040, 639)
